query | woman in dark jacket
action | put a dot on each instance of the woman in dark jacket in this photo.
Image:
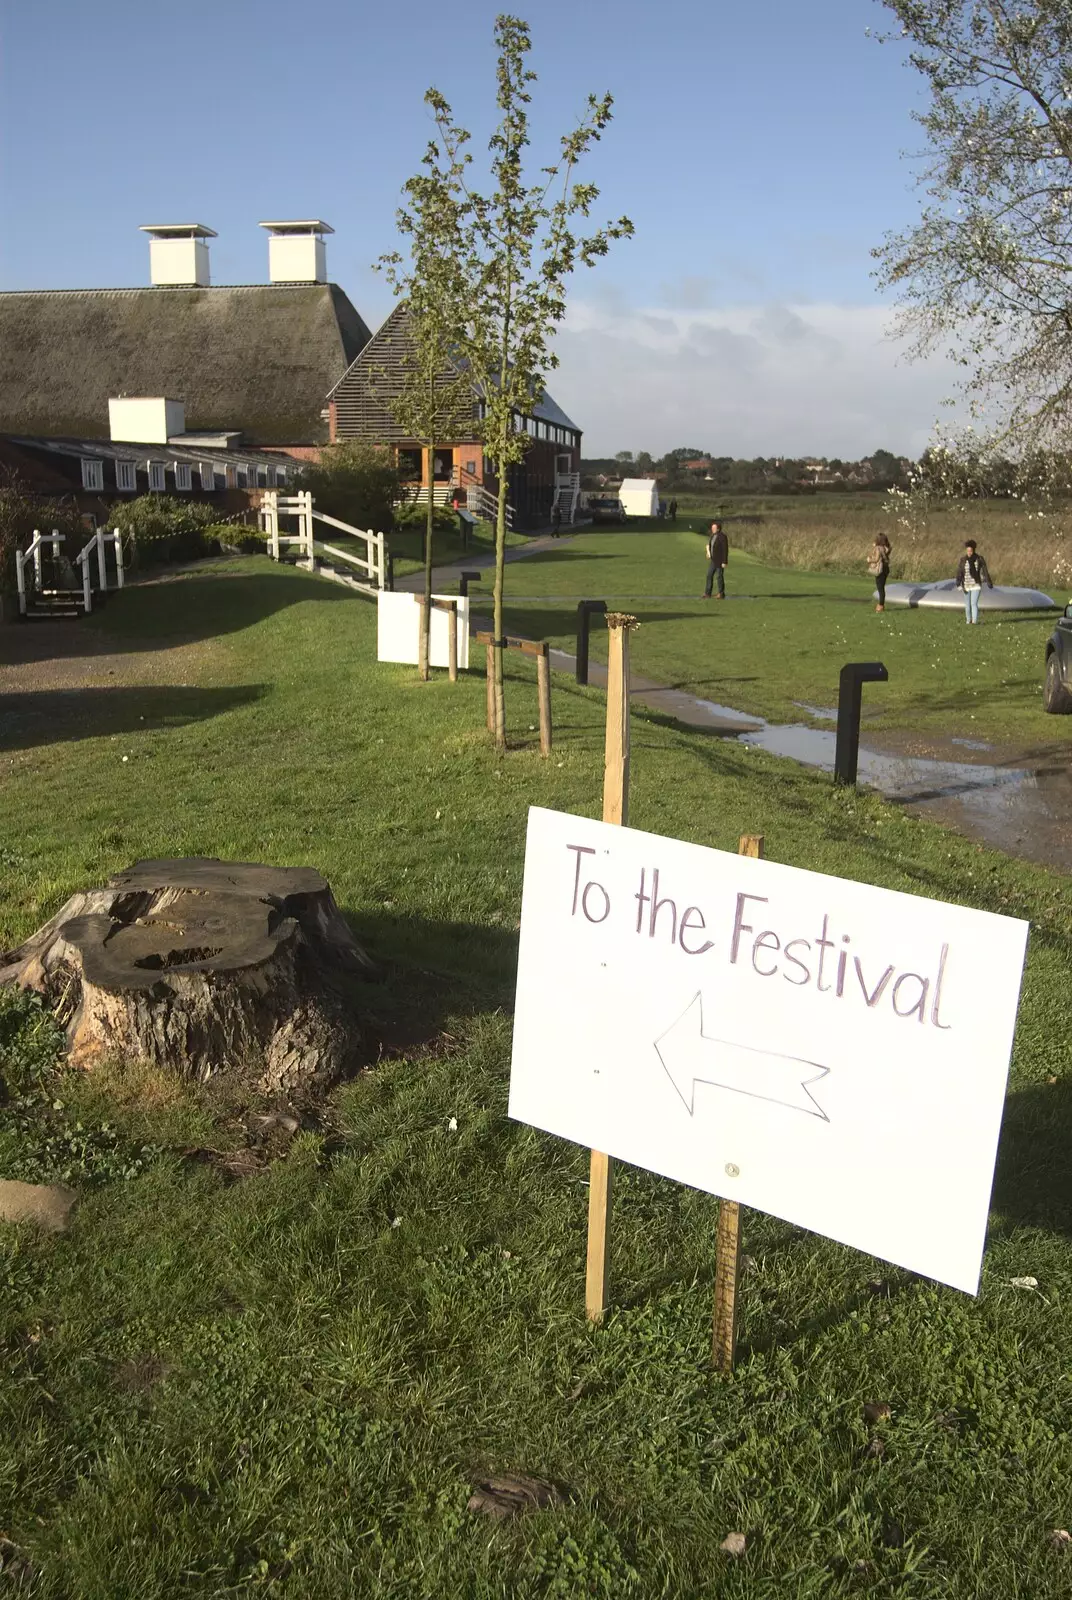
(879, 567)
(972, 573)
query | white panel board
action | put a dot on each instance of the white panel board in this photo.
(826, 1051)
(398, 629)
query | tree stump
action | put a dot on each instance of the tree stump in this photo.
(200, 965)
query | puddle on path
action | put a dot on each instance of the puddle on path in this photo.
(1024, 809)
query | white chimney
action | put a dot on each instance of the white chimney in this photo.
(296, 251)
(178, 253)
(145, 419)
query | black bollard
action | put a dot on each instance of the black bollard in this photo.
(465, 579)
(847, 752)
(390, 573)
(585, 611)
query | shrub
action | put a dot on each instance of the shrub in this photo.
(415, 517)
(237, 536)
(159, 528)
(355, 482)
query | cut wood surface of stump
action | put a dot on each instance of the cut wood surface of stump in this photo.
(198, 965)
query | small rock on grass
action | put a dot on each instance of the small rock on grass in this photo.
(509, 1494)
(13, 1564)
(877, 1411)
(47, 1204)
(1061, 1539)
(734, 1544)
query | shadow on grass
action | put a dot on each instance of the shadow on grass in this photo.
(56, 716)
(1033, 1181)
(429, 972)
(212, 603)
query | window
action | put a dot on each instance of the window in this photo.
(262, 477)
(208, 475)
(126, 475)
(92, 474)
(157, 477)
(470, 467)
(409, 465)
(241, 476)
(184, 478)
(272, 475)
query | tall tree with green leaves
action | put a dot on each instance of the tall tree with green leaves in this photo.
(988, 267)
(434, 401)
(514, 250)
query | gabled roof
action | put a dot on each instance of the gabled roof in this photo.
(362, 393)
(258, 357)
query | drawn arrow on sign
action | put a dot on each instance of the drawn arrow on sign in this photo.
(690, 1057)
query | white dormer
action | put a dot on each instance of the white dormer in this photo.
(296, 251)
(178, 254)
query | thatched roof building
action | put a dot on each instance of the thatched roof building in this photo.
(260, 358)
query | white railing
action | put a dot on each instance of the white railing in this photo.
(373, 567)
(273, 505)
(486, 504)
(375, 558)
(568, 493)
(32, 554)
(300, 505)
(99, 543)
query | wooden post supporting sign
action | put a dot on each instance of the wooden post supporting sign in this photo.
(728, 1236)
(615, 809)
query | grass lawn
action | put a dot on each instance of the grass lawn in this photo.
(782, 636)
(288, 1384)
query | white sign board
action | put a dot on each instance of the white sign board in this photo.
(829, 1052)
(398, 622)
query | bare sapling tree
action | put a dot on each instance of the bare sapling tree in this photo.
(514, 251)
(987, 270)
(433, 399)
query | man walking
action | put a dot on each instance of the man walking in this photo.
(556, 520)
(673, 511)
(718, 555)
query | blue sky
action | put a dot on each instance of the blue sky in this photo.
(758, 152)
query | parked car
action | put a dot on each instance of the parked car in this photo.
(1057, 683)
(606, 508)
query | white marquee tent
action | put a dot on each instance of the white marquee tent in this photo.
(639, 497)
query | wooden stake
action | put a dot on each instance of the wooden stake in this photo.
(452, 641)
(543, 685)
(615, 809)
(616, 762)
(728, 1235)
(600, 1180)
(491, 688)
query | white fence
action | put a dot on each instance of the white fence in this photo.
(31, 558)
(373, 564)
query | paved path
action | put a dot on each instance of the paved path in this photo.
(447, 577)
(674, 703)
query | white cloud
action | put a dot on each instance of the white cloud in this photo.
(757, 380)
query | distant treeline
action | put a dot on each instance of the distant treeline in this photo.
(685, 469)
